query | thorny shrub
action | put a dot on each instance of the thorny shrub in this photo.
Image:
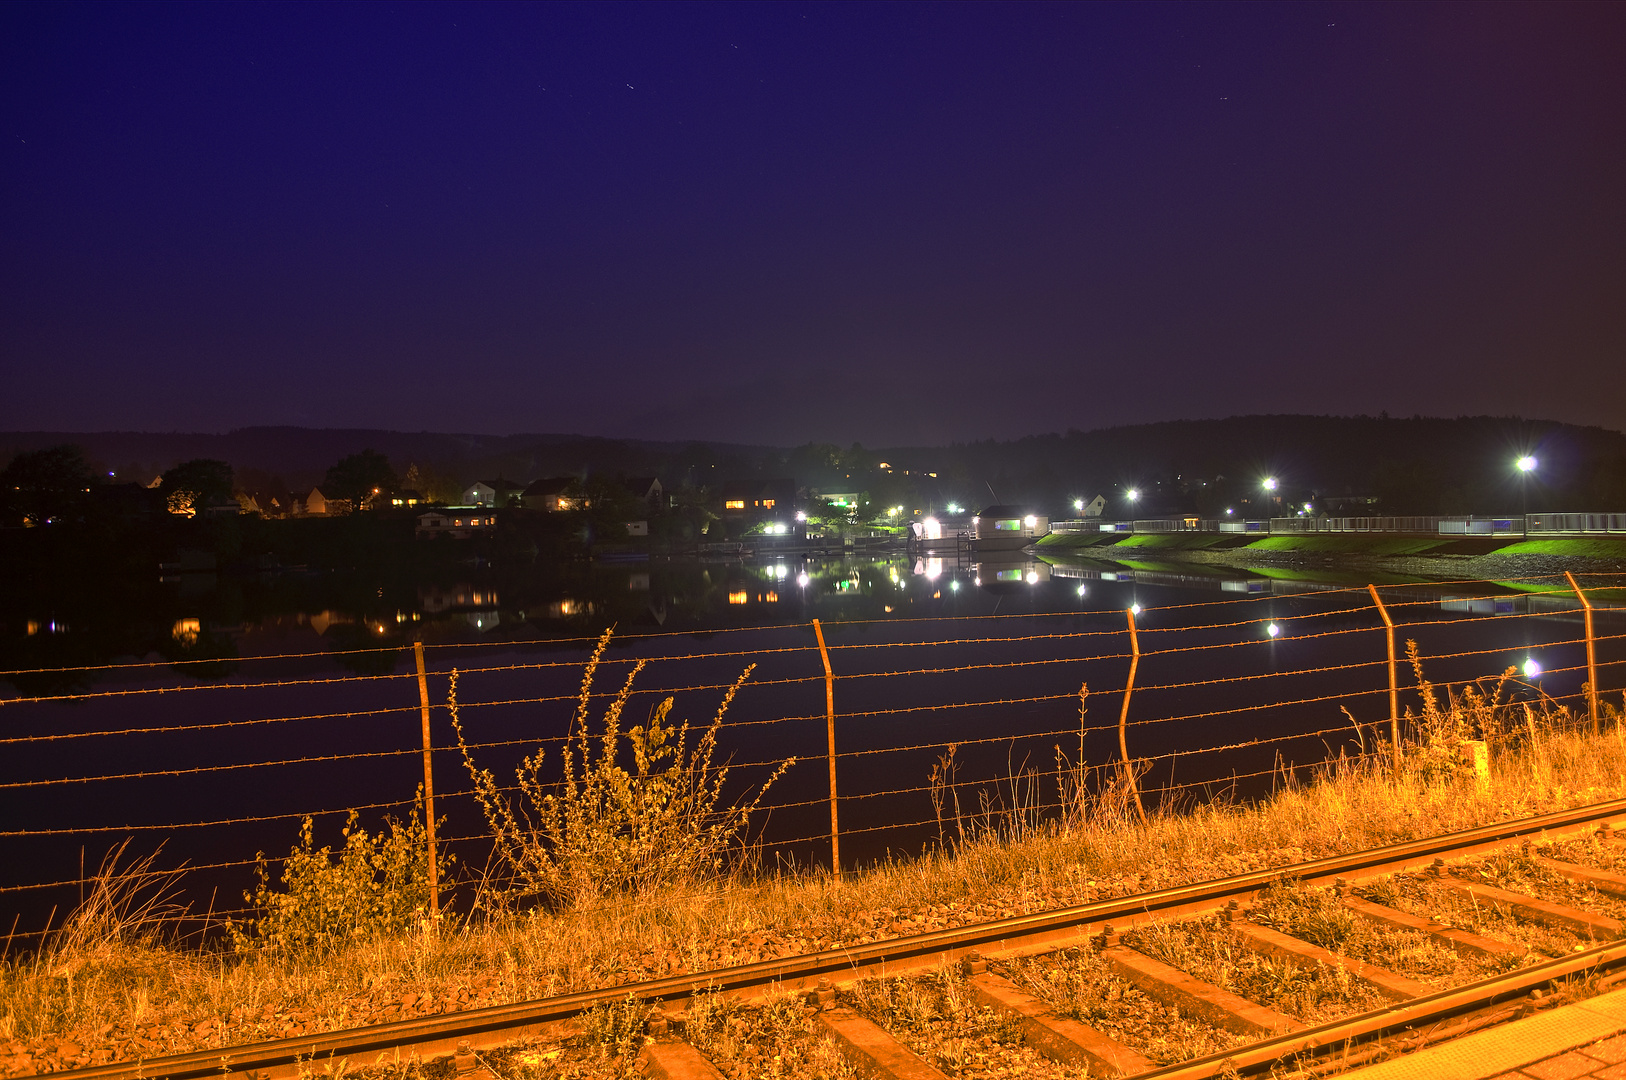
(601, 828)
(376, 884)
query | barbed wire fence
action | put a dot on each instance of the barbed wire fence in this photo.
(885, 720)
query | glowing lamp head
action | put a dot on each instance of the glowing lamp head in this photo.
(1132, 494)
(1531, 668)
(1030, 521)
(1134, 609)
(1033, 577)
(1526, 464)
(802, 579)
(1078, 504)
(1270, 483)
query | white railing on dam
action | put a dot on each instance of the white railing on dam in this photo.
(1470, 525)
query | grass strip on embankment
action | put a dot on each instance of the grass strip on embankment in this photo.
(127, 987)
(1105, 545)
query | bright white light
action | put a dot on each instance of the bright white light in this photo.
(1526, 463)
(1229, 511)
(1078, 504)
(1531, 668)
(1033, 577)
(1270, 483)
(802, 579)
(1081, 590)
(1031, 522)
(954, 508)
(781, 571)
(801, 515)
(1273, 630)
(1308, 508)
(1134, 609)
(1132, 494)
(977, 580)
(955, 586)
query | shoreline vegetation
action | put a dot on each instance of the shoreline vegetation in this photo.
(120, 981)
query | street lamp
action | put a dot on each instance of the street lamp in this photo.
(1270, 483)
(1132, 494)
(1526, 465)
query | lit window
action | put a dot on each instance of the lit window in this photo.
(734, 504)
(738, 597)
(770, 598)
(767, 504)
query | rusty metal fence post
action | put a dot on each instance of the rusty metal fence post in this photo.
(1394, 681)
(830, 742)
(428, 783)
(1591, 654)
(1123, 716)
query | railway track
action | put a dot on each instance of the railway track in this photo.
(1321, 964)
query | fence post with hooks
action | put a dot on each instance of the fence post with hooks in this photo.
(830, 742)
(1394, 680)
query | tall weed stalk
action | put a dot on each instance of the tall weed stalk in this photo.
(601, 828)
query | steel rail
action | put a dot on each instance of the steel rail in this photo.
(1328, 1037)
(1016, 935)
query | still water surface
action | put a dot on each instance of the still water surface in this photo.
(927, 653)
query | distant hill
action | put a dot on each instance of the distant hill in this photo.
(302, 455)
(1410, 465)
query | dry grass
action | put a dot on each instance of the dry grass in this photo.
(117, 986)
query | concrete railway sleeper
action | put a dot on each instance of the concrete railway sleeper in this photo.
(1315, 964)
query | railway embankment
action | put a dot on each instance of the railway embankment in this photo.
(118, 983)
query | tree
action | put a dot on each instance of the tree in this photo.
(43, 485)
(359, 477)
(193, 485)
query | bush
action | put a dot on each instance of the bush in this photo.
(375, 885)
(602, 829)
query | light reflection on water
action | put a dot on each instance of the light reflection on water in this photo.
(883, 615)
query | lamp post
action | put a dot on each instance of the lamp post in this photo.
(1526, 465)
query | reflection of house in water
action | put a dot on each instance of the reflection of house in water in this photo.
(324, 619)
(567, 608)
(435, 599)
(999, 576)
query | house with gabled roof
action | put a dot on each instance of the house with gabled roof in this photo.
(498, 492)
(554, 494)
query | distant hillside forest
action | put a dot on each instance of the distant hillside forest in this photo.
(1351, 465)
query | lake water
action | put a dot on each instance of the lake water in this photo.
(196, 683)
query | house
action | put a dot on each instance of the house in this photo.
(456, 522)
(1095, 507)
(999, 528)
(404, 497)
(498, 492)
(647, 488)
(555, 493)
(760, 500)
(319, 504)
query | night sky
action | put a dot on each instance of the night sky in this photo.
(781, 223)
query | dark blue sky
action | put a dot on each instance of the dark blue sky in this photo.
(899, 223)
